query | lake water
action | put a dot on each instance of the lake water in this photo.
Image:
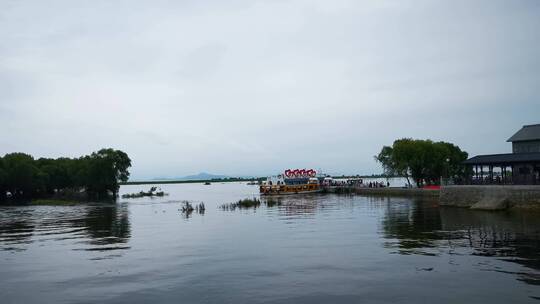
(310, 249)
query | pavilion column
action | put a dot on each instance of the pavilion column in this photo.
(482, 173)
(513, 176)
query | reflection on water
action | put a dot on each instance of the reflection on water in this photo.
(15, 229)
(425, 228)
(107, 228)
(291, 249)
(98, 227)
(413, 225)
(510, 236)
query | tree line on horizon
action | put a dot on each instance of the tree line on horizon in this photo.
(424, 161)
(96, 175)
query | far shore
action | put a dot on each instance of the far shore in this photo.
(232, 179)
(160, 182)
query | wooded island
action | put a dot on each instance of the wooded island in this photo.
(94, 176)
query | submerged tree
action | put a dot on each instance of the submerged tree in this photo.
(97, 174)
(423, 160)
(3, 180)
(23, 178)
(104, 169)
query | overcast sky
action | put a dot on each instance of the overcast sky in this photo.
(254, 87)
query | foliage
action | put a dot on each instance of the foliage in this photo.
(97, 174)
(22, 174)
(423, 160)
(3, 180)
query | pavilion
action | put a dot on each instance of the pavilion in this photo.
(521, 167)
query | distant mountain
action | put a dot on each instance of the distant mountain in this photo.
(203, 176)
(200, 176)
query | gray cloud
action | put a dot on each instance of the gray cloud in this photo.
(252, 87)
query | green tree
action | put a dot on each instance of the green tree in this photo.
(391, 165)
(423, 160)
(24, 179)
(98, 174)
(3, 180)
(105, 169)
(56, 173)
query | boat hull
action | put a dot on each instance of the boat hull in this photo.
(277, 193)
(289, 189)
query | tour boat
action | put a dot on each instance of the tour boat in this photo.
(297, 181)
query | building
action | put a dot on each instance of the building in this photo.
(521, 167)
(526, 140)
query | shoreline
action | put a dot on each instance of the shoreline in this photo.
(491, 197)
(233, 179)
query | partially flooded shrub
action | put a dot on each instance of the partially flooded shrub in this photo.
(188, 208)
(251, 203)
(242, 204)
(200, 208)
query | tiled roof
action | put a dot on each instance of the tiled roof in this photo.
(507, 158)
(528, 132)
